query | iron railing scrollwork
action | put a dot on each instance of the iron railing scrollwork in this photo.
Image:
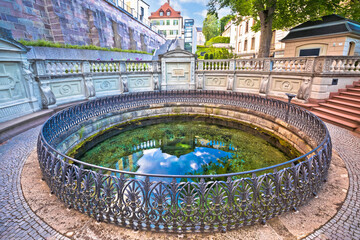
(191, 203)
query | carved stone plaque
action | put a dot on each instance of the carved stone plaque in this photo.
(216, 81)
(248, 82)
(178, 73)
(286, 85)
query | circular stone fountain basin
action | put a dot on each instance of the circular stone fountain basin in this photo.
(184, 203)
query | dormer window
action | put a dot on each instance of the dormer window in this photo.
(161, 13)
(168, 13)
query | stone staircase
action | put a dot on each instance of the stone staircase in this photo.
(342, 109)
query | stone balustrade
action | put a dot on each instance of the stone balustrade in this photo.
(310, 78)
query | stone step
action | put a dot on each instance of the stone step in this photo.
(355, 89)
(348, 99)
(335, 113)
(342, 103)
(13, 127)
(345, 110)
(351, 94)
(336, 120)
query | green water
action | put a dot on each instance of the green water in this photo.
(185, 147)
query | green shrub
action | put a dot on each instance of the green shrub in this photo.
(216, 53)
(44, 43)
(218, 39)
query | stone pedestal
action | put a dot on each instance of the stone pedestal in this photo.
(178, 70)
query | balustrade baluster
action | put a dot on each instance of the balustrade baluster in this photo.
(357, 65)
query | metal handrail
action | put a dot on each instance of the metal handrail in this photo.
(201, 205)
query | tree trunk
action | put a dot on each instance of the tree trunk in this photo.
(266, 19)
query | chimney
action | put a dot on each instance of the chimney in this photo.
(168, 2)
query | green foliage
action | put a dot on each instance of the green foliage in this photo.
(218, 39)
(224, 21)
(213, 53)
(284, 14)
(211, 26)
(44, 43)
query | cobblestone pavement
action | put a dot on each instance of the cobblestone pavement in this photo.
(17, 221)
(346, 223)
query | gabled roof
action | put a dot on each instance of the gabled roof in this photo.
(166, 7)
(328, 25)
(11, 44)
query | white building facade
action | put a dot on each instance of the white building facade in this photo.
(247, 42)
(200, 38)
(168, 21)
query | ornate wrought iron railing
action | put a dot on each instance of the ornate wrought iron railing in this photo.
(190, 203)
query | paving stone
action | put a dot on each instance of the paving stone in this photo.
(344, 224)
(17, 221)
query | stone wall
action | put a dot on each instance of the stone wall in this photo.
(80, 22)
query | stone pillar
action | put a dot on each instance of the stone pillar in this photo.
(304, 91)
(192, 74)
(267, 65)
(124, 80)
(88, 81)
(201, 65)
(163, 74)
(264, 84)
(230, 82)
(200, 81)
(155, 76)
(232, 65)
(48, 99)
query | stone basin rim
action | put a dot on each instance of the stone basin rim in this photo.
(314, 150)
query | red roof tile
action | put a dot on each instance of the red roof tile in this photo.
(166, 7)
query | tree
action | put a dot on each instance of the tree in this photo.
(211, 26)
(224, 21)
(277, 14)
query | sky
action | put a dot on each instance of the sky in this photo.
(193, 9)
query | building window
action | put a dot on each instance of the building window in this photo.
(176, 32)
(171, 32)
(161, 22)
(253, 43)
(176, 22)
(247, 26)
(141, 13)
(309, 52)
(168, 13)
(162, 32)
(167, 22)
(161, 13)
(351, 49)
(245, 46)
(239, 47)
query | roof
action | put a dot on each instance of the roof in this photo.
(166, 7)
(6, 36)
(328, 25)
